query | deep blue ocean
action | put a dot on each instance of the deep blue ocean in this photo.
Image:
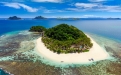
(107, 28)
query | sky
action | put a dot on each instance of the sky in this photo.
(60, 8)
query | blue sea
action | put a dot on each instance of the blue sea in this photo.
(107, 28)
(104, 32)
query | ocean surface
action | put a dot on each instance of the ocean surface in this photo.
(107, 33)
(108, 28)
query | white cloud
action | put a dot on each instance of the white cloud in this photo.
(20, 5)
(91, 16)
(109, 8)
(95, 7)
(53, 11)
(97, 0)
(73, 9)
(53, 1)
(13, 5)
(28, 8)
(86, 5)
(45, 10)
(88, 15)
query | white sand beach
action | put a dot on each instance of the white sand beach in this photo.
(96, 52)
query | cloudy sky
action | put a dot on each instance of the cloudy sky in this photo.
(60, 8)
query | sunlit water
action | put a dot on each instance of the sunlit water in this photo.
(105, 32)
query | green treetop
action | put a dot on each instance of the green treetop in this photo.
(37, 29)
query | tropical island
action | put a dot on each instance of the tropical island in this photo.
(39, 17)
(66, 43)
(14, 18)
(64, 38)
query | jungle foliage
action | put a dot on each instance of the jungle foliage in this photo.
(65, 38)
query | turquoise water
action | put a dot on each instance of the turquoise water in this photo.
(105, 32)
(3, 73)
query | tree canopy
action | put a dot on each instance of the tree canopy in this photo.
(64, 32)
(37, 29)
(65, 38)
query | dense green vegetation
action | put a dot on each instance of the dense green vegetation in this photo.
(14, 18)
(37, 29)
(64, 38)
(64, 32)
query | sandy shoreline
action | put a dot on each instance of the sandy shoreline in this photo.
(96, 52)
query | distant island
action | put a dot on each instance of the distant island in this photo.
(14, 18)
(39, 17)
(64, 38)
(113, 18)
(59, 18)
